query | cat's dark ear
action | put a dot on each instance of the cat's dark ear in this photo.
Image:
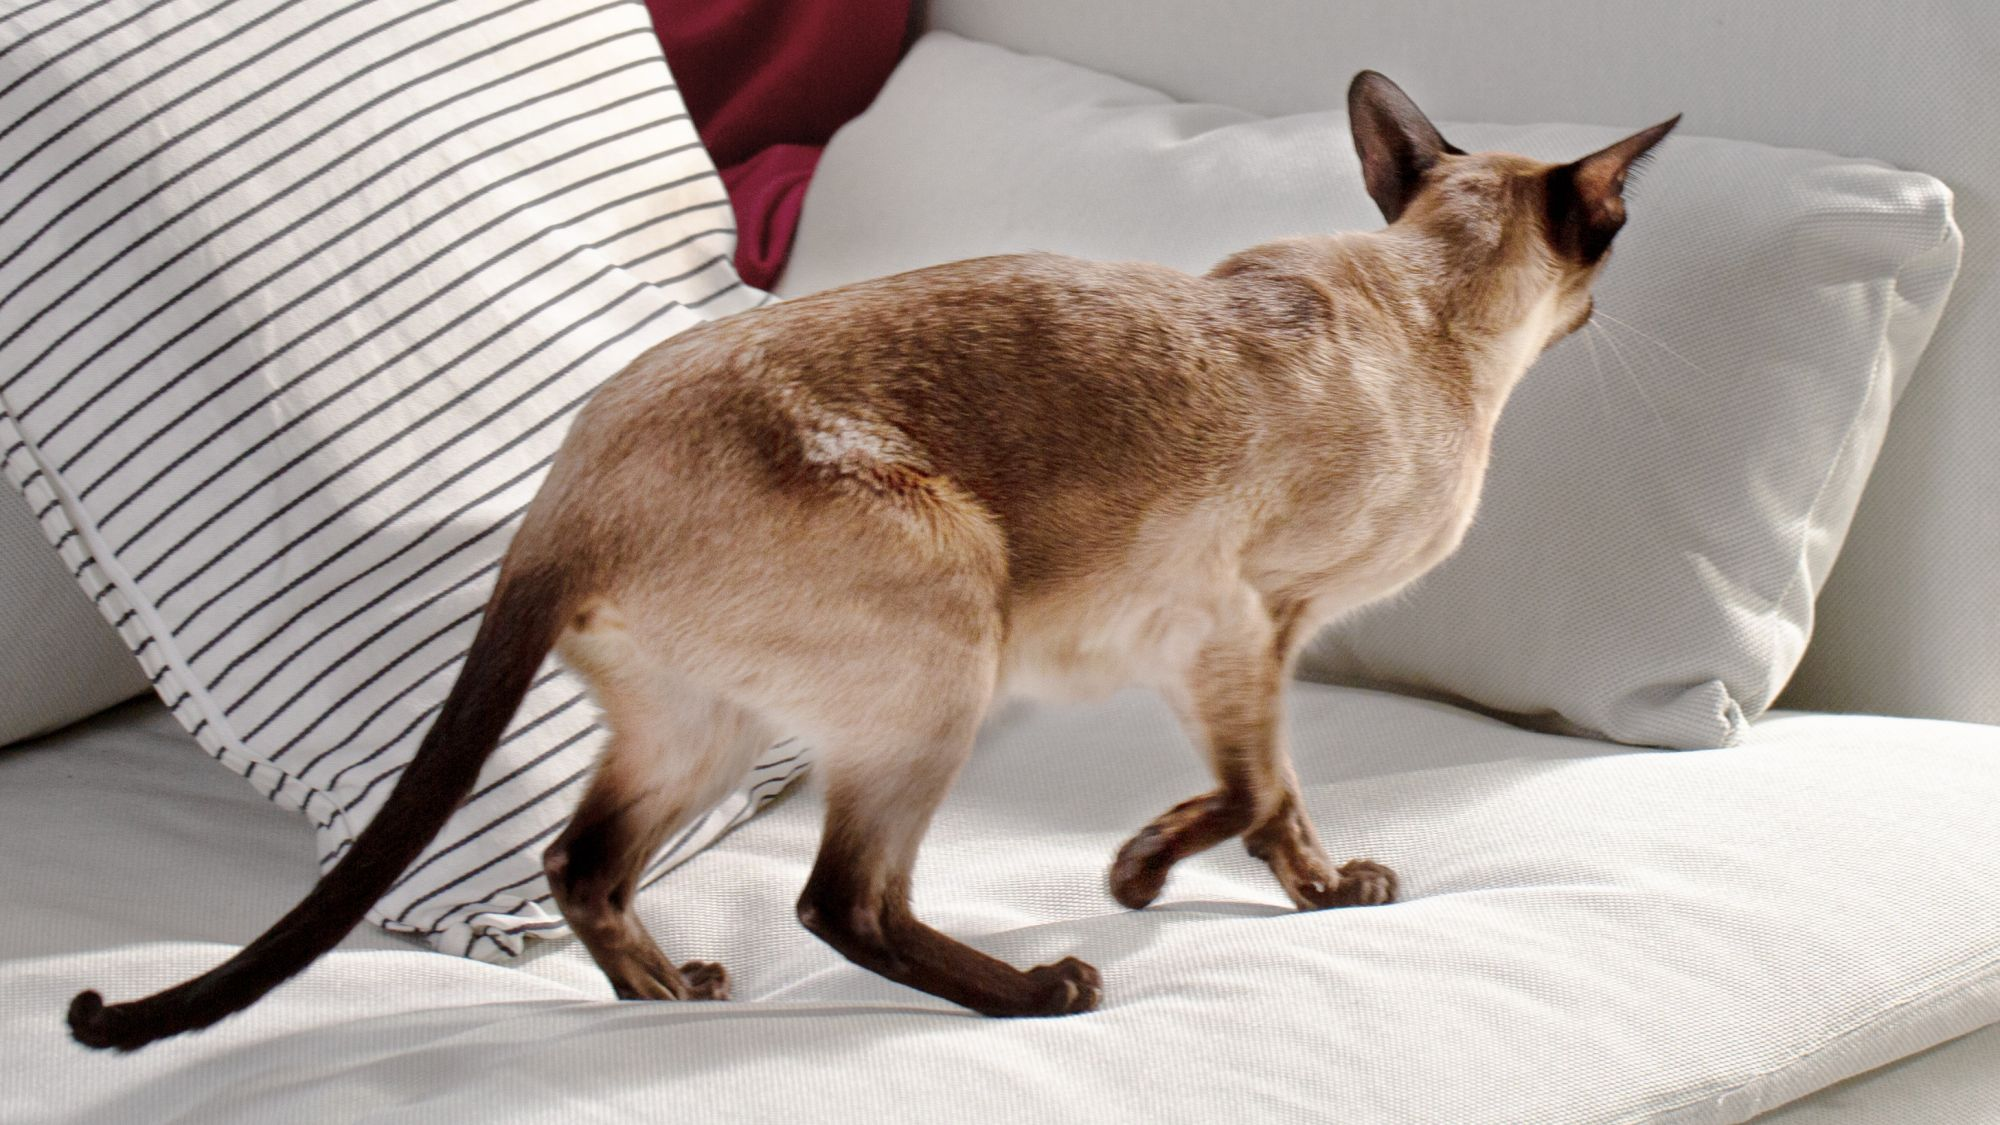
(1587, 198)
(1397, 143)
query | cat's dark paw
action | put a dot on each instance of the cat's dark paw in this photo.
(706, 980)
(696, 980)
(647, 986)
(1363, 882)
(1360, 882)
(1068, 987)
(1140, 871)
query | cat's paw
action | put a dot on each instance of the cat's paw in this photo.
(1140, 871)
(705, 980)
(1067, 987)
(1363, 882)
(696, 980)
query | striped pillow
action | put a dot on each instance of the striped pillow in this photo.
(296, 303)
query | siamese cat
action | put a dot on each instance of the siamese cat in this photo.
(863, 515)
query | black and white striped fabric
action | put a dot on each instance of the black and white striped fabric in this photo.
(296, 302)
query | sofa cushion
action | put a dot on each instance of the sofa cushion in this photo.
(60, 660)
(1589, 934)
(1668, 488)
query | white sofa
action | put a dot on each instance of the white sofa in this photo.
(1783, 956)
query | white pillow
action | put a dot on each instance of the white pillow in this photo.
(295, 305)
(59, 661)
(1664, 499)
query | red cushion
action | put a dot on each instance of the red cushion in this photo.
(767, 82)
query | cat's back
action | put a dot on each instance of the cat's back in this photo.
(1108, 439)
(1070, 398)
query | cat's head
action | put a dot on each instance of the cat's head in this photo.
(1544, 229)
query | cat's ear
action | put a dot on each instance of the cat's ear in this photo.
(1587, 197)
(1397, 143)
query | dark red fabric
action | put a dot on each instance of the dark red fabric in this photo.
(767, 82)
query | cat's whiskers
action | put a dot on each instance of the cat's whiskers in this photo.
(1631, 376)
(1651, 339)
(1597, 376)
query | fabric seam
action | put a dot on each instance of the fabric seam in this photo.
(1880, 381)
(1883, 1019)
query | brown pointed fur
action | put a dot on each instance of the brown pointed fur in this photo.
(864, 515)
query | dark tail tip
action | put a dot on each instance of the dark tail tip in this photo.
(94, 1025)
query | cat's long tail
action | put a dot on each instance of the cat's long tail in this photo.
(521, 624)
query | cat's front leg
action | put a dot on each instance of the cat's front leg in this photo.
(1231, 702)
(1289, 846)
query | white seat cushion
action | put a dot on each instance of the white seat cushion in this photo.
(1590, 934)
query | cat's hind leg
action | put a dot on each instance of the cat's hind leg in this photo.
(879, 802)
(674, 751)
(893, 730)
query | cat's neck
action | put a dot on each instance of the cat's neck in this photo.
(1449, 309)
(1466, 314)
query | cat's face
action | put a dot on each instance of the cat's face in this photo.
(1538, 233)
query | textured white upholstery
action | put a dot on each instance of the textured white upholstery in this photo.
(1909, 622)
(1591, 935)
(59, 658)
